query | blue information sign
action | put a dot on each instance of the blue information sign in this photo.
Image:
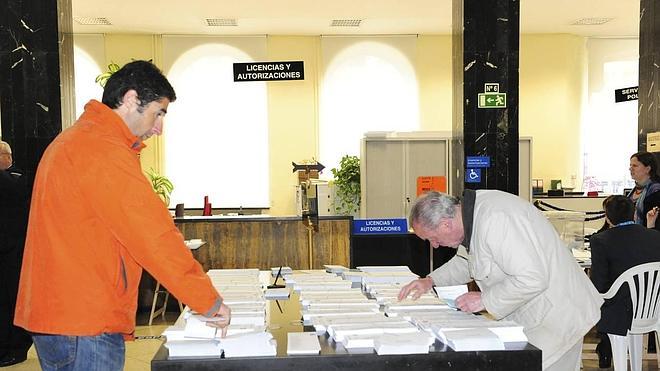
(380, 226)
(473, 175)
(478, 161)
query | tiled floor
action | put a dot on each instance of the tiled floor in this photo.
(140, 351)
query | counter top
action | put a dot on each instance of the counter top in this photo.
(249, 218)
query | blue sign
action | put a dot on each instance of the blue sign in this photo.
(478, 161)
(380, 226)
(473, 175)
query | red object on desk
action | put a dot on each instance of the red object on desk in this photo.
(207, 207)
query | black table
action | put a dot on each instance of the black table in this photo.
(333, 356)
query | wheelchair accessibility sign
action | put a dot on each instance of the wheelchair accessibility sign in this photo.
(473, 175)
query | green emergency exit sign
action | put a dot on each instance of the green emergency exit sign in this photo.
(491, 100)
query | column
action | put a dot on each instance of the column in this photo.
(485, 114)
(36, 76)
(649, 71)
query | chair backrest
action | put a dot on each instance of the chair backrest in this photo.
(644, 283)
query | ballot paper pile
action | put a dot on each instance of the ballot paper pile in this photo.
(246, 336)
(373, 317)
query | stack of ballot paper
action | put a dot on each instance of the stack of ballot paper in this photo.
(473, 339)
(249, 345)
(506, 331)
(336, 269)
(193, 348)
(284, 270)
(302, 343)
(384, 268)
(277, 293)
(410, 343)
(388, 277)
(353, 275)
(243, 292)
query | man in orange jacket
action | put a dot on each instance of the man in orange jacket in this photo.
(94, 223)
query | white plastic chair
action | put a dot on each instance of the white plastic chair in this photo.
(644, 283)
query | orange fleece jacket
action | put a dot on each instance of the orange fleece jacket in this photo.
(94, 223)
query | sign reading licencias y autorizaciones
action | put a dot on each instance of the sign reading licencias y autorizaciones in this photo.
(269, 71)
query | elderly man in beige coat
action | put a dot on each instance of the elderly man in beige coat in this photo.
(525, 272)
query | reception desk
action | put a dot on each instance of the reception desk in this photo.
(256, 241)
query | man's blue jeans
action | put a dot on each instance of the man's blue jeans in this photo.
(105, 352)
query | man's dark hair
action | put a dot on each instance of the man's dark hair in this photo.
(143, 77)
(619, 209)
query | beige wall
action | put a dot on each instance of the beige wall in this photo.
(552, 87)
(123, 48)
(292, 118)
(435, 82)
(552, 93)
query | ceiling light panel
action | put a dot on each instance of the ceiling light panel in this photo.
(591, 21)
(345, 23)
(221, 22)
(93, 21)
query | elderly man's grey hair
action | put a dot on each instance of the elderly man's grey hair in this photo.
(4, 147)
(431, 208)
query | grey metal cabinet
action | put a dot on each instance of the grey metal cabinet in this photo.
(392, 162)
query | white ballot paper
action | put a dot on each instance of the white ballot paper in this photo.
(302, 343)
(450, 293)
(193, 348)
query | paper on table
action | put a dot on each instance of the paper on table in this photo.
(196, 328)
(279, 293)
(450, 293)
(302, 343)
(249, 345)
(193, 348)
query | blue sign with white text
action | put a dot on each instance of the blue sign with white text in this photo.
(380, 226)
(478, 161)
(473, 175)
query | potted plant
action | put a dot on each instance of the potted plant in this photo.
(102, 79)
(161, 185)
(347, 182)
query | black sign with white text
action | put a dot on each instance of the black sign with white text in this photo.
(269, 71)
(624, 95)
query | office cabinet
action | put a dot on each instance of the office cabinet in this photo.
(391, 164)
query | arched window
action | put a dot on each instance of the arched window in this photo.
(609, 131)
(216, 133)
(367, 86)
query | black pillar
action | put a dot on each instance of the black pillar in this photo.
(649, 71)
(485, 45)
(35, 35)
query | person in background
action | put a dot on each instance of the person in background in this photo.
(14, 341)
(645, 195)
(94, 223)
(613, 251)
(525, 272)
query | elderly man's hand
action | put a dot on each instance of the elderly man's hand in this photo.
(416, 287)
(470, 302)
(222, 319)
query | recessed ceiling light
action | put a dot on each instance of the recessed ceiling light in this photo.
(345, 23)
(221, 22)
(591, 21)
(93, 21)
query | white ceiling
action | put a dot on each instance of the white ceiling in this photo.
(313, 17)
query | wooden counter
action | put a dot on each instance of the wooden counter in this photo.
(255, 241)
